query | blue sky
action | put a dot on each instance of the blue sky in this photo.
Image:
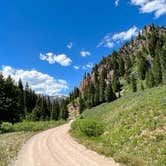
(52, 43)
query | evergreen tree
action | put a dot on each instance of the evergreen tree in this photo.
(142, 67)
(163, 64)
(134, 83)
(35, 115)
(55, 110)
(64, 110)
(116, 83)
(81, 104)
(97, 94)
(21, 99)
(152, 42)
(11, 113)
(96, 73)
(128, 64)
(121, 66)
(26, 99)
(157, 70)
(2, 98)
(102, 87)
(109, 94)
(150, 82)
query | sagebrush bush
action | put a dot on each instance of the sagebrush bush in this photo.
(88, 127)
(6, 127)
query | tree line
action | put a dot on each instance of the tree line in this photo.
(18, 103)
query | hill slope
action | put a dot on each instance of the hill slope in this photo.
(139, 64)
(135, 128)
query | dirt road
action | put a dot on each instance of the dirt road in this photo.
(55, 147)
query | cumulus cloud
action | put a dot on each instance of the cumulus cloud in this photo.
(52, 58)
(40, 82)
(85, 53)
(116, 3)
(109, 40)
(69, 45)
(158, 7)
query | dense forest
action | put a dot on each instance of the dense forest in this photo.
(18, 103)
(139, 64)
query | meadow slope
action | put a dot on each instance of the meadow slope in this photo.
(135, 128)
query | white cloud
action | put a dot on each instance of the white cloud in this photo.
(116, 3)
(109, 40)
(84, 67)
(85, 53)
(40, 82)
(126, 35)
(69, 45)
(52, 58)
(76, 67)
(106, 42)
(158, 7)
(87, 66)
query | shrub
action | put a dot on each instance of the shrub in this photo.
(6, 127)
(29, 126)
(88, 127)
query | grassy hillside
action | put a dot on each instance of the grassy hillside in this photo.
(134, 128)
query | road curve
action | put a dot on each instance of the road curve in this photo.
(55, 147)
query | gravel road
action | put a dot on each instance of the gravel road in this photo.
(55, 147)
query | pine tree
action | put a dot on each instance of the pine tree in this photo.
(96, 94)
(157, 70)
(134, 83)
(163, 64)
(57, 109)
(150, 82)
(128, 65)
(96, 73)
(35, 115)
(115, 83)
(64, 110)
(26, 99)
(152, 42)
(102, 87)
(2, 98)
(21, 99)
(121, 66)
(142, 67)
(11, 101)
(109, 94)
(114, 61)
(81, 104)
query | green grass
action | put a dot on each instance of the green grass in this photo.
(135, 128)
(28, 126)
(10, 143)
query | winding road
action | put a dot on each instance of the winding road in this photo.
(55, 147)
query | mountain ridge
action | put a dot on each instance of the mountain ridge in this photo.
(137, 65)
